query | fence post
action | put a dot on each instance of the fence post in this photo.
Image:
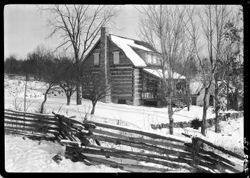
(195, 152)
(60, 125)
(25, 92)
(24, 99)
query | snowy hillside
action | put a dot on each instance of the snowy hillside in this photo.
(138, 116)
(28, 155)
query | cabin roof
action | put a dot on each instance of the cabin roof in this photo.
(127, 45)
(158, 73)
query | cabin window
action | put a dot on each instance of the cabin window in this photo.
(149, 58)
(96, 59)
(154, 60)
(178, 86)
(158, 60)
(194, 98)
(116, 57)
(122, 101)
(150, 103)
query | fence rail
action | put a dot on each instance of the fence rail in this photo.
(121, 147)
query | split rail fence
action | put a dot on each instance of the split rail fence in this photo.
(121, 147)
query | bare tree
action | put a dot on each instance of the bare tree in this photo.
(77, 26)
(163, 28)
(94, 87)
(66, 79)
(44, 69)
(190, 70)
(188, 62)
(212, 19)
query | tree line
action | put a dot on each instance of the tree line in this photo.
(58, 72)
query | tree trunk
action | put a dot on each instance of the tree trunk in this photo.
(45, 99)
(236, 93)
(227, 80)
(170, 111)
(168, 86)
(188, 94)
(78, 77)
(228, 98)
(216, 105)
(204, 116)
(93, 107)
(170, 116)
(68, 99)
(78, 94)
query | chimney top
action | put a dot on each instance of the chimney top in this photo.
(104, 30)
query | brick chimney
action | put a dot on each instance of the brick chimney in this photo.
(104, 61)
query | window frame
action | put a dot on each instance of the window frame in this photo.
(96, 54)
(149, 58)
(118, 55)
(153, 59)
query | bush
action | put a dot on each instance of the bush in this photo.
(196, 123)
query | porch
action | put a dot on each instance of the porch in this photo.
(151, 86)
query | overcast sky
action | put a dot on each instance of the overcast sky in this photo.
(25, 27)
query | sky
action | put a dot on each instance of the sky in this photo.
(26, 27)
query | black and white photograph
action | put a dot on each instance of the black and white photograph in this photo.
(127, 88)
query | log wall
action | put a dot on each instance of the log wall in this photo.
(121, 75)
(122, 83)
(137, 86)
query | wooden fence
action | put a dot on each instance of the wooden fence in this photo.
(30, 124)
(121, 147)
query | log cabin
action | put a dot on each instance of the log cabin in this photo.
(130, 67)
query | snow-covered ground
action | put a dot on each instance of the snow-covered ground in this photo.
(137, 117)
(231, 136)
(25, 155)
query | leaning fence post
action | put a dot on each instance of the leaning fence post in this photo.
(195, 152)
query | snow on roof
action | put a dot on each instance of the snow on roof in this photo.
(158, 73)
(195, 87)
(125, 45)
(129, 42)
